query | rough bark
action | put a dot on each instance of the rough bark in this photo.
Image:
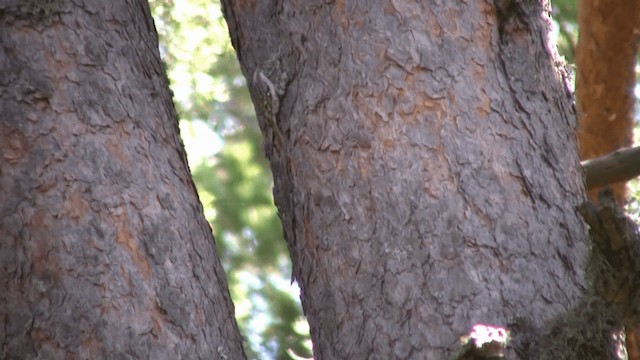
(104, 251)
(606, 60)
(425, 165)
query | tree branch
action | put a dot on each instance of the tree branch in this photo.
(621, 165)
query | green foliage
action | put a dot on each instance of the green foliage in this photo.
(223, 143)
(566, 24)
(633, 203)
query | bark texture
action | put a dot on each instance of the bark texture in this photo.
(104, 251)
(606, 60)
(425, 164)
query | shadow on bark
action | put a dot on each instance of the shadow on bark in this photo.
(594, 328)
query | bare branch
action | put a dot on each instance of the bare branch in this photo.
(621, 165)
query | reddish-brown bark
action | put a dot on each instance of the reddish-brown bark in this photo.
(606, 60)
(104, 251)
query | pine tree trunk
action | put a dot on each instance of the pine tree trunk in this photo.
(104, 251)
(425, 164)
(606, 60)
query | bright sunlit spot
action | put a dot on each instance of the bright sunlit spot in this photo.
(200, 142)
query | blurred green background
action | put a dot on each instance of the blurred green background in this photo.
(224, 146)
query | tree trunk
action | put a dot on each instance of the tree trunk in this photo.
(104, 251)
(425, 164)
(606, 60)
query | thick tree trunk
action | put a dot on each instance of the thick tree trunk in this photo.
(425, 166)
(606, 60)
(104, 251)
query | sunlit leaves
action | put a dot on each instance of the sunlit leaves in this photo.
(565, 18)
(224, 147)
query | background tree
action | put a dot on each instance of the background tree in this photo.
(104, 251)
(446, 141)
(605, 61)
(606, 78)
